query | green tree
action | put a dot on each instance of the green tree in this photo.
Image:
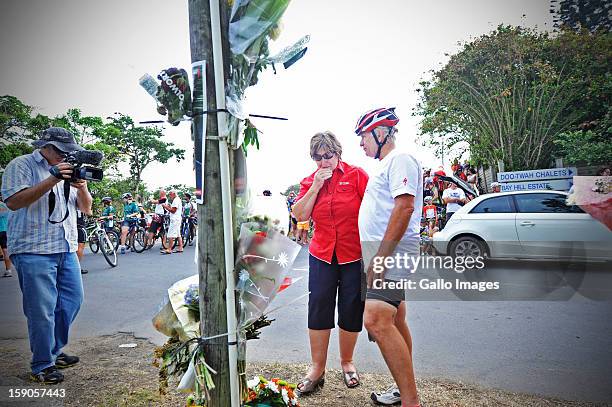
(592, 15)
(139, 146)
(84, 128)
(17, 122)
(10, 151)
(508, 95)
(292, 188)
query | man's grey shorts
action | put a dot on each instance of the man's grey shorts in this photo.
(392, 296)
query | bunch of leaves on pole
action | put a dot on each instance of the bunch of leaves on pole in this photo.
(139, 146)
(508, 95)
(253, 23)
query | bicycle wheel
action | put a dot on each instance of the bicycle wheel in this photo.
(185, 233)
(138, 240)
(108, 249)
(150, 242)
(114, 238)
(94, 244)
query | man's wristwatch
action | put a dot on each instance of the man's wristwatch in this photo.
(55, 171)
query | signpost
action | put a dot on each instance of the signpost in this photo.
(558, 179)
(557, 185)
(537, 175)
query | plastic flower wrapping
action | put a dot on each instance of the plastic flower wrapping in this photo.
(275, 392)
(593, 195)
(180, 315)
(263, 261)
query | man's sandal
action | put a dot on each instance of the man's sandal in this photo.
(307, 386)
(351, 376)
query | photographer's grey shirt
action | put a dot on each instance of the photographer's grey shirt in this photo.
(29, 229)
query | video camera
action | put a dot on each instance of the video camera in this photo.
(90, 172)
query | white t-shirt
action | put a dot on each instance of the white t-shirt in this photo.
(453, 193)
(397, 174)
(177, 215)
(159, 209)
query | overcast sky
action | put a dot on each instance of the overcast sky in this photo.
(59, 54)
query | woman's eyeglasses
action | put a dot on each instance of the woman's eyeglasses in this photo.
(327, 156)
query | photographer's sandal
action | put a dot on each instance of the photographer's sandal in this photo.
(307, 385)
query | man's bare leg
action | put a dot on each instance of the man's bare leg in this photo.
(379, 319)
(402, 325)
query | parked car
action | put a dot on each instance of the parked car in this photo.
(526, 225)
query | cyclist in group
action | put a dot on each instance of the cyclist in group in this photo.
(190, 213)
(130, 215)
(158, 218)
(108, 213)
(81, 238)
(430, 213)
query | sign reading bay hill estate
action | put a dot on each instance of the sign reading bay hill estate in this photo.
(558, 179)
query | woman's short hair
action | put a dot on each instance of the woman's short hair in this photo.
(327, 141)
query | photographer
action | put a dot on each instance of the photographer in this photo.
(42, 246)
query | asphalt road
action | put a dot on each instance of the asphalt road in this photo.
(557, 348)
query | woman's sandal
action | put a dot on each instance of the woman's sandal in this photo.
(308, 386)
(348, 376)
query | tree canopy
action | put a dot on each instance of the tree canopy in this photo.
(592, 15)
(119, 139)
(508, 95)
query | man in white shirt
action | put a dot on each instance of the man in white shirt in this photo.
(158, 219)
(389, 225)
(454, 198)
(174, 230)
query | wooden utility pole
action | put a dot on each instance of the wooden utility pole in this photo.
(211, 261)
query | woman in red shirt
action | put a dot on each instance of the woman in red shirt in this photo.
(331, 196)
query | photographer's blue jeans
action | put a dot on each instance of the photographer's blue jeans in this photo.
(52, 291)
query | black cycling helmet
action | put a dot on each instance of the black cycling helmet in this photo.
(107, 199)
(126, 195)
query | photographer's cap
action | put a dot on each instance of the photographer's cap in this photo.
(60, 138)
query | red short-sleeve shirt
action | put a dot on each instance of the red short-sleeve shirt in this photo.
(335, 214)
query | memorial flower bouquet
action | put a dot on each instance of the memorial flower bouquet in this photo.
(272, 393)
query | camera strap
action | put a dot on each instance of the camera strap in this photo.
(52, 202)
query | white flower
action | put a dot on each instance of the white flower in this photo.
(272, 386)
(283, 259)
(251, 384)
(285, 396)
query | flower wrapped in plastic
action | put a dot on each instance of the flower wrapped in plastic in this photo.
(180, 314)
(263, 261)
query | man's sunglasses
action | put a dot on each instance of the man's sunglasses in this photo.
(327, 156)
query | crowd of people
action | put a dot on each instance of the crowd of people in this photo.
(361, 220)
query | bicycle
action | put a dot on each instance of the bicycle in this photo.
(136, 235)
(188, 232)
(160, 233)
(93, 238)
(107, 241)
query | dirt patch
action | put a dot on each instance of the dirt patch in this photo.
(112, 376)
